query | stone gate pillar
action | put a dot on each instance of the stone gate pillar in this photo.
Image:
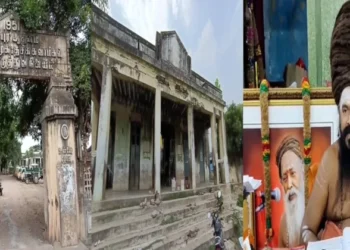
(60, 173)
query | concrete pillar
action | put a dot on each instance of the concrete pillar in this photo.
(103, 133)
(62, 215)
(214, 147)
(223, 149)
(94, 122)
(191, 145)
(157, 138)
(121, 161)
(206, 155)
(179, 157)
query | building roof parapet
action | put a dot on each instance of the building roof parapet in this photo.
(168, 51)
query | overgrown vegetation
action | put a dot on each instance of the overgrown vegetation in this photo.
(239, 202)
(10, 146)
(21, 117)
(237, 222)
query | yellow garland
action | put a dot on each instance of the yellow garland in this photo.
(307, 132)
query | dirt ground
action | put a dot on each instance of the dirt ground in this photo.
(22, 220)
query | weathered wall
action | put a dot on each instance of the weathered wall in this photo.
(146, 152)
(173, 51)
(200, 154)
(236, 173)
(122, 148)
(206, 155)
(144, 72)
(179, 156)
(121, 154)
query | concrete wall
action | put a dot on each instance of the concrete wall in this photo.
(206, 155)
(236, 173)
(179, 156)
(146, 158)
(121, 154)
(201, 147)
(173, 51)
(122, 148)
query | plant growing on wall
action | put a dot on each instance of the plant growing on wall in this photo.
(63, 16)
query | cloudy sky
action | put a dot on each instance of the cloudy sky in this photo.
(212, 32)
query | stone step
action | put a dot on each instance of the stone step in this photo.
(124, 213)
(127, 202)
(147, 234)
(230, 245)
(108, 230)
(134, 222)
(179, 239)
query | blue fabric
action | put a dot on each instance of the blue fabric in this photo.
(285, 29)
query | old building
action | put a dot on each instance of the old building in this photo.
(151, 117)
(151, 113)
(36, 158)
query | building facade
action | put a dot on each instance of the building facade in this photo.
(36, 158)
(151, 114)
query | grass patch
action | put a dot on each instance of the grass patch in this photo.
(237, 222)
(239, 202)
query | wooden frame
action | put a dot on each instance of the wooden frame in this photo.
(286, 111)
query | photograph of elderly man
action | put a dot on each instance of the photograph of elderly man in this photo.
(289, 160)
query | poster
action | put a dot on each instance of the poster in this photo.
(286, 176)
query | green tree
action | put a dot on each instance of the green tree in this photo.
(10, 145)
(234, 132)
(65, 16)
(217, 84)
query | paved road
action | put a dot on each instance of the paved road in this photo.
(22, 220)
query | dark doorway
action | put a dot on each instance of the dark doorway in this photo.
(168, 154)
(134, 172)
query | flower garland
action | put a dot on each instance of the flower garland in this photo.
(265, 139)
(307, 132)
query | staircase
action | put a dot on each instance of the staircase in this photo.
(179, 222)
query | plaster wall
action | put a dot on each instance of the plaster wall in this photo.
(121, 154)
(173, 51)
(146, 158)
(179, 156)
(206, 156)
(143, 72)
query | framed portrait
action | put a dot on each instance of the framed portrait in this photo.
(286, 123)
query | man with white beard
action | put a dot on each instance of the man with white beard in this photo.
(291, 172)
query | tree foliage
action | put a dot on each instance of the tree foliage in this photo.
(234, 131)
(64, 16)
(10, 146)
